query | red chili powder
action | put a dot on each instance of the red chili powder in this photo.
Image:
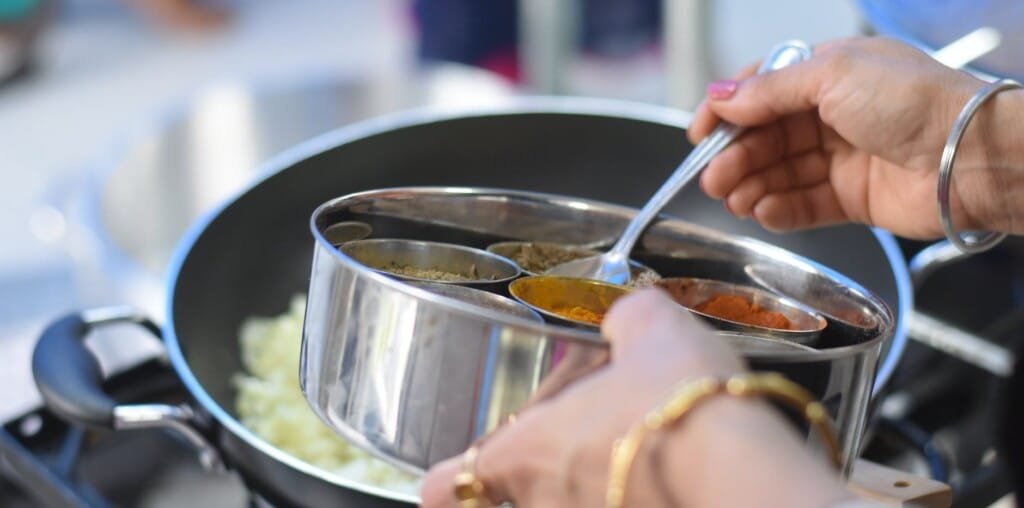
(739, 309)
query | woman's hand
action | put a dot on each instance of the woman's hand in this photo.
(726, 452)
(855, 134)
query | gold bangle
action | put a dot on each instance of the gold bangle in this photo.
(690, 394)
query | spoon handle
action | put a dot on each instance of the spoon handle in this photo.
(782, 55)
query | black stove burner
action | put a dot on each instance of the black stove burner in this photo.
(46, 462)
(940, 416)
(945, 428)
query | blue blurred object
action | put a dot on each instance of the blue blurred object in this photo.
(620, 27)
(465, 31)
(935, 23)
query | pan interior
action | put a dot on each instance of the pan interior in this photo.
(255, 255)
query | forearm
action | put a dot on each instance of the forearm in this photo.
(732, 452)
(988, 175)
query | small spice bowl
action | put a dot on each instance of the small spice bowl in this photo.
(567, 300)
(805, 325)
(343, 232)
(535, 258)
(840, 303)
(431, 261)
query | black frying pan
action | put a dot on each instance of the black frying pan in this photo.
(250, 257)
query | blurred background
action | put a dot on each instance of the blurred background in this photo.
(122, 121)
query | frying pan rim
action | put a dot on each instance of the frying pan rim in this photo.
(579, 106)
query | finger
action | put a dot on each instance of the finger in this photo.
(758, 148)
(704, 121)
(804, 170)
(800, 209)
(764, 98)
(439, 484)
(643, 314)
(746, 155)
(437, 490)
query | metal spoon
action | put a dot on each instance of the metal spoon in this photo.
(613, 266)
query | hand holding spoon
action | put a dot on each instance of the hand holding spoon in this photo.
(613, 266)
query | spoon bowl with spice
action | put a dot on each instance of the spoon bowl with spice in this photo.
(737, 307)
(536, 258)
(567, 300)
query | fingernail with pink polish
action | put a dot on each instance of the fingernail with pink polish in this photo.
(722, 89)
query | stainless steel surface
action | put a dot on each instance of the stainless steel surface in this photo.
(970, 242)
(414, 376)
(838, 302)
(946, 337)
(203, 151)
(753, 346)
(476, 266)
(179, 419)
(961, 344)
(480, 298)
(343, 232)
(613, 266)
(933, 258)
(418, 363)
(806, 323)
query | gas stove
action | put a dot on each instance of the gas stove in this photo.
(940, 416)
(936, 419)
(46, 462)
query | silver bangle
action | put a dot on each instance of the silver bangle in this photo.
(967, 242)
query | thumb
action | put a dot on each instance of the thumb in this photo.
(764, 98)
(649, 314)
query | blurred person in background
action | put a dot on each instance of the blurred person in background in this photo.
(182, 14)
(485, 34)
(22, 22)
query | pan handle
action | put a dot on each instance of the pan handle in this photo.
(946, 337)
(932, 259)
(70, 381)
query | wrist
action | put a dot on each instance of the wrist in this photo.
(988, 175)
(738, 452)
